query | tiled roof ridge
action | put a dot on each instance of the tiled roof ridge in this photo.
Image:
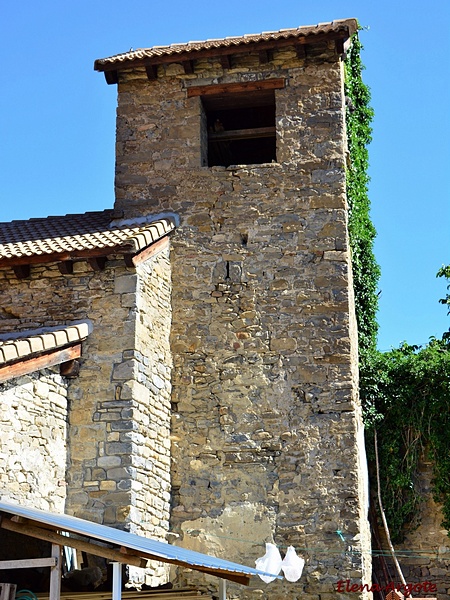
(18, 346)
(153, 52)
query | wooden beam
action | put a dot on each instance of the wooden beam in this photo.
(18, 519)
(155, 594)
(241, 134)
(150, 251)
(22, 271)
(188, 66)
(97, 263)
(70, 369)
(83, 546)
(25, 366)
(128, 258)
(264, 57)
(23, 521)
(112, 76)
(339, 44)
(26, 563)
(235, 88)
(39, 259)
(152, 72)
(300, 49)
(66, 267)
(225, 61)
(241, 578)
(159, 594)
(128, 551)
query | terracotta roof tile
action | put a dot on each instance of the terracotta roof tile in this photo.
(344, 25)
(10, 352)
(77, 233)
(37, 344)
(19, 346)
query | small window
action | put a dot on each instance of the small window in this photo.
(240, 128)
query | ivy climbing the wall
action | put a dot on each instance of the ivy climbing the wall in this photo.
(405, 393)
(366, 271)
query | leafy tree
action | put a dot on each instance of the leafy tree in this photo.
(405, 392)
(445, 272)
(406, 397)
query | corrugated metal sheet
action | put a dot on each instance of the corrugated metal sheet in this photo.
(130, 541)
(349, 25)
(155, 594)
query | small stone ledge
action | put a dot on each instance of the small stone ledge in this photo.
(338, 255)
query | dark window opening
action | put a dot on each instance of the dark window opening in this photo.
(240, 128)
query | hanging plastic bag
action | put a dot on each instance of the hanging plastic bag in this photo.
(292, 565)
(270, 563)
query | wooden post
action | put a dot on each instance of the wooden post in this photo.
(117, 581)
(55, 573)
(7, 591)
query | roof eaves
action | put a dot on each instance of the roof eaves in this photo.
(77, 237)
(23, 345)
(171, 53)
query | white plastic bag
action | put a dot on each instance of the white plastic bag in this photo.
(270, 563)
(292, 565)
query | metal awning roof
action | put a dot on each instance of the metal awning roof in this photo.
(136, 545)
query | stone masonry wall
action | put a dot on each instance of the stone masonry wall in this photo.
(33, 440)
(151, 393)
(48, 298)
(118, 438)
(266, 417)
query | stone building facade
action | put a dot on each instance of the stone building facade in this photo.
(216, 395)
(266, 419)
(33, 445)
(92, 435)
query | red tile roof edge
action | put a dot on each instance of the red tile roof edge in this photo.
(348, 26)
(80, 235)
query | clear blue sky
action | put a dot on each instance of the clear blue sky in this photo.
(57, 119)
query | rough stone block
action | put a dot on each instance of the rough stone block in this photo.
(126, 284)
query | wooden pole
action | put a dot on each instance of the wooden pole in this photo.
(55, 573)
(383, 515)
(62, 540)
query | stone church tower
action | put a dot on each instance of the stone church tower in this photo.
(244, 140)
(184, 366)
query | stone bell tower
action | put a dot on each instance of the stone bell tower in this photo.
(244, 140)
